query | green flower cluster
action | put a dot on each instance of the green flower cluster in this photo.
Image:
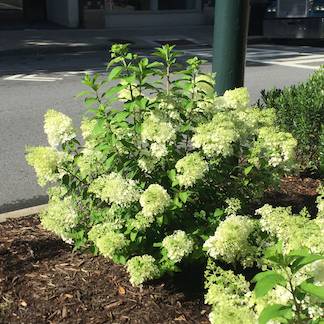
(190, 169)
(113, 188)
(141, 269)
(158, 132)
(295, 231)
(60, 217)
(154, 200)
(45, 161)
(231, 241)
(276, 147)
(216, 138)
(178, 245)
(108, 243)
(237, 98)
(58, 128)
(229, 295)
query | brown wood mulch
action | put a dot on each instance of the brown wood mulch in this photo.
(43, 281)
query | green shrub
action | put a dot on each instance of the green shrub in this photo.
(149, 182)
(300, 111)
(285, 251)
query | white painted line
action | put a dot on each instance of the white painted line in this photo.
(289, 64)
(272, 54)
(31, 77)
(302, 57)
(22, 213)
(309, 60)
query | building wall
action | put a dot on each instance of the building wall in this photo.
(63, 12)
(154, 19)
(153, 13)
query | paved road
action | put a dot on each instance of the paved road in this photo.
(31, 85)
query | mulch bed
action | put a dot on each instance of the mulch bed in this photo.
(43, 281)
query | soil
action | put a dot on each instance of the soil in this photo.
(43, 281)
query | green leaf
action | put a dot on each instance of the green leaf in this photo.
(83, 93)
(160, 219)
(304, 260)
(99, 128)
(275, 311)
(109, 162)
(120, 116)
(173, 177)
(312, 289)
(266, 281)
(90, 101)
(133, 236)
(113, 90)
(248, 169)
(218, 212)
(115, 72)
(184, 196)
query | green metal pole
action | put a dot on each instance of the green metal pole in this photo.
(230, 38)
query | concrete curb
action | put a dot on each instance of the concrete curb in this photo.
(21, 213)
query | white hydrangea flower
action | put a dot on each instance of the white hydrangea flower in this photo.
(127, 94)
(90, 161)
(154, 200)
(191, 168)
(275, 146)
(113, 188)
(58, 128)
(158, 150)
(45, 161)
(146, 163)
(237, 98)
(142, 222)
(141, 269)
(111, 243)
(233, 206)
(107, 238)
(60, 216)
(216, 137)
(230, 242)
(156, 130)
(178, 245)
(230, 298)
(87, 127)
(295, 231)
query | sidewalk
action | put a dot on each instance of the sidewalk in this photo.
(34, 42)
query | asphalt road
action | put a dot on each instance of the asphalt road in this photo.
(30, 85)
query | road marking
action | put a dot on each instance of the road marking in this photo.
(283, 63)
(280, 57)
(31, 77)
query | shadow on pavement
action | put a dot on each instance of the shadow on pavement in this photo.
(23, 203)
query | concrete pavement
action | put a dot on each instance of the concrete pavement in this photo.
(42, 41)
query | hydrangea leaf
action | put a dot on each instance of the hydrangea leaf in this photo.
(275, 311)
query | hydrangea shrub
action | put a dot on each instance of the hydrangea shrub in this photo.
(287, 253)
(159, 156)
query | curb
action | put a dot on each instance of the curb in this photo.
(21, 213)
